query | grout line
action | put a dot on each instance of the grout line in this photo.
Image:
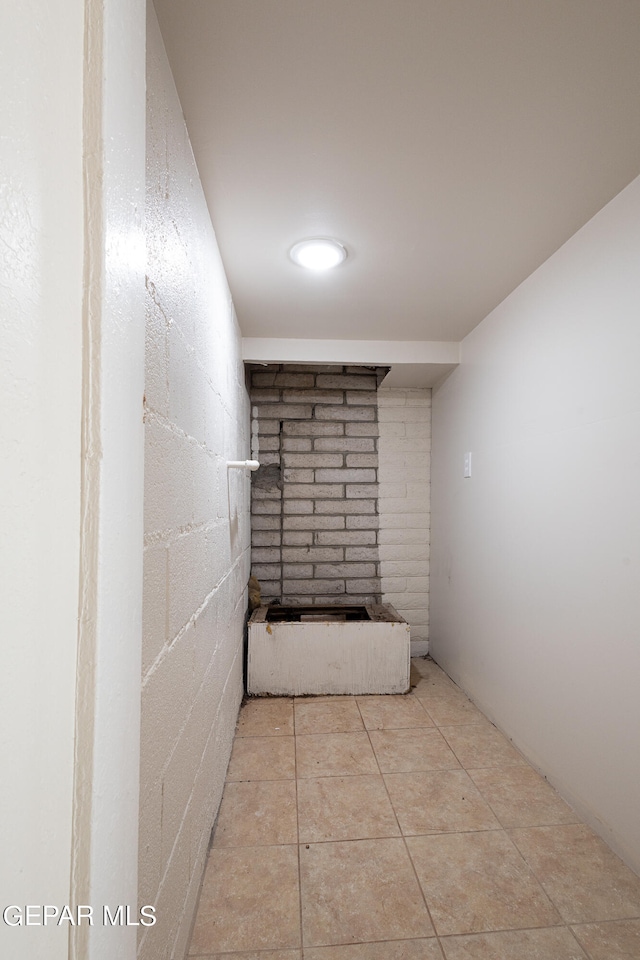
(295, 771)
(402, 837)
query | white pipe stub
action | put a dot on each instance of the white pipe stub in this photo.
(243, 464)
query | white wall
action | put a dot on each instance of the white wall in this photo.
(404, 466)
(196, 554)
(536, 559)
(40, 399)
(71, 309)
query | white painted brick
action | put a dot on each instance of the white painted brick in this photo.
(346, 382)
(362, 459)
(296, 444)
(361, 553)
(266, 538)
(269, 588)
(265, 493)
(269, 444)
(410, 447)
(309, 587)
(406, 584)
(270, 507)
(363, 397)
(402, 520)
(421, 491)
(154, 604)
(259, 379)
(361, 490)
(266, 571)
(189, 579)
(298, 506)
(299, 379)
(386, 490)
(407, 415)
(269, 427)
(415, 469)
(313, 428)
(297, 571)
(267, 459)
(403, 551)
(418, 430)
(320, 490)
(363, 523)
(396, 505)
(364, 598)
(405, 602)
(347, 444)
(346, 475)
(312, 460)
(264, 394)
(265, 523)
(313, 523)
(362, 586)
(345, 506)
(338, 570)
(391, 429)
(347, 537)
(361, 429)
(403, 568)
(265, 555)
(403, 537)
(313, 396)
(284, 411)
(345, 413)
(312, 554)
(298, 476)
(297, 538)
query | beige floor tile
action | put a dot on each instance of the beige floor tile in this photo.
(429, 670)
(389, 950)
(262, 758)
(551, 944)
(266, 717)
(480, 745)
(345, 808)
(450, 710)
(446, 801)
(520, 797)
(249, 901)
(256, 813)
(433, 680)
(478, 882)
(401, 751)
(255, 955)
(384, 713)
(360, 890)
(323, 697)
(583, 877)
(615, 940)
(334, 755)
(327, 716)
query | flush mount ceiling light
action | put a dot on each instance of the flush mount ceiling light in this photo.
(318, 253)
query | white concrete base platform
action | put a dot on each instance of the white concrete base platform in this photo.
(298, 651)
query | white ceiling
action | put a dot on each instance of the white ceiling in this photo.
(451, 145)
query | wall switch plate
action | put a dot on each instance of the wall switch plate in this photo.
(467, 465)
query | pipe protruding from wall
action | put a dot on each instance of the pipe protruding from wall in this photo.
(243, 464)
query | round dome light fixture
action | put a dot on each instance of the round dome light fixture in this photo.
(318, 253)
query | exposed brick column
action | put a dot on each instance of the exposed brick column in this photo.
(315, 497)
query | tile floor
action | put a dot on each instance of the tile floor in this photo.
(402, 828)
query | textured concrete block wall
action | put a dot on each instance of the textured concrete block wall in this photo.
(404, 469)
(196, 555)
(315, 496)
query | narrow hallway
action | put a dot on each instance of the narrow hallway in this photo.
(402, 828)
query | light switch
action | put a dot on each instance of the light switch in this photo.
(467, 465)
